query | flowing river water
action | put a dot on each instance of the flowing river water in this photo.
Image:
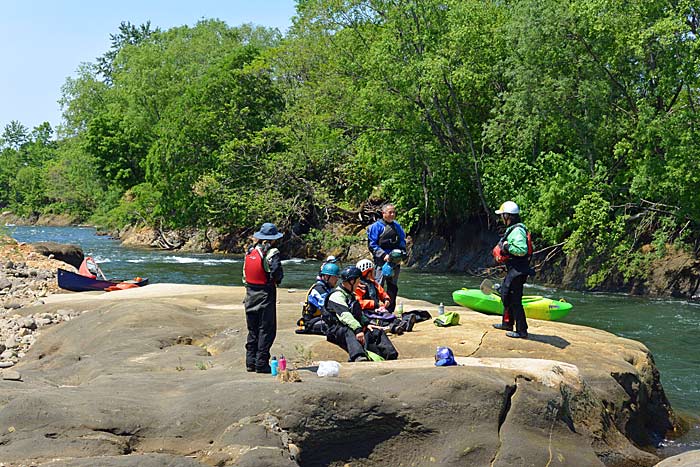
(669, 328)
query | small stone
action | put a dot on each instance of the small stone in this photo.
(6, 364)
(294, 451)
(43, 321)
(28, 323)
(11, 375)
(7, 354)
(11, 343)
(5, 283)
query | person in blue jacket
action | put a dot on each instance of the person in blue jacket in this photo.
(384, 236)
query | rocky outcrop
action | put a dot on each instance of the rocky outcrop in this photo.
(25, 276)
(156, 376)
(69, 254)
(58, 220)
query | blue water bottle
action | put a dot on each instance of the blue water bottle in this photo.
(274, 364)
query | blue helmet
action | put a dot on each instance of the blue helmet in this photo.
(350, 273)
(330, 269)
(444, 357)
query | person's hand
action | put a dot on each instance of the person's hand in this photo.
(372, 327)
(504, 247)
(360, 337)
(387, 303)
(386, 258)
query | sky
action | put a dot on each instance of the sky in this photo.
(43, 42)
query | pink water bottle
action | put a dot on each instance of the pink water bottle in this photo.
(283, 363)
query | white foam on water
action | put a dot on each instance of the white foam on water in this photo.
(294, 261)
(99, 259)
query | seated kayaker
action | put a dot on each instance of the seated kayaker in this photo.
(329, 260)
(348, 328)
(311, 321)
(375, 302)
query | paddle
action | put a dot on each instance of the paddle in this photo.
(488, 287)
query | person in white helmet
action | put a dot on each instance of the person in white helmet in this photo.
(514, 250)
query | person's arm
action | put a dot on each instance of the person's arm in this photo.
(373, 233)
(336, 304)
(275, 264)
(516, 243)
(382, 294)
(365, 304)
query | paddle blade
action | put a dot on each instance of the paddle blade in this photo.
(488, 287)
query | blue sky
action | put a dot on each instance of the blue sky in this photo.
(42, 42)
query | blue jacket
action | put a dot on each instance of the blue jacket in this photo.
(380, 246)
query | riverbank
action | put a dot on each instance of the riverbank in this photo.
(465, 249)
(162, 376)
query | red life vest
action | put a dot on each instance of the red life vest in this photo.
(501, 256)
(254, 268)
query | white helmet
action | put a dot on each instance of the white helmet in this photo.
(365, 265)
(508, 207)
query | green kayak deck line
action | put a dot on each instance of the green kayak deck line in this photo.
(536, 306)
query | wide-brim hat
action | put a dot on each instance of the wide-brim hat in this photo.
(268, 231)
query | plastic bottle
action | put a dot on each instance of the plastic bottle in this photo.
(399, 309)
(282, 363)
(441, 309)
(274, 365)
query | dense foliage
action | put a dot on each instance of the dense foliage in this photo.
(584, 112)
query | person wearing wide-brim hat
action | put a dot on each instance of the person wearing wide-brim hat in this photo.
(262, 273)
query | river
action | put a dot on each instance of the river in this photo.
(669, 328)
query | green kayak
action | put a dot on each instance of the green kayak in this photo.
(536, 306)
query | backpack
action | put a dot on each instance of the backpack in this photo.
(451, 318)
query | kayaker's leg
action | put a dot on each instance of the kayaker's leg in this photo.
(506, 299)
(378, 342)
(253, 303)
(516, 305)
(267, 331)
(344, 338)
(391, 285)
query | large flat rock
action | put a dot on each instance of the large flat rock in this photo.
(156, 376)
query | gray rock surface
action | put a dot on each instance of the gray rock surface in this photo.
(686, 459)
(156, 376)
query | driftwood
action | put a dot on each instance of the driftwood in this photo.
(163, 242)
(368, 212)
